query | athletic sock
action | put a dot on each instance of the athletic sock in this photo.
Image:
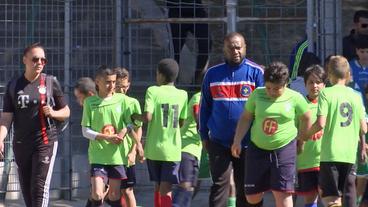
(157, 199)
(122, 201)
(359, 199)
(116, 203)
(181, 197)
(311, 205)
(231, 202)
(96, 203)
(166, 201)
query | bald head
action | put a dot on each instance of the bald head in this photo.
(234, 48)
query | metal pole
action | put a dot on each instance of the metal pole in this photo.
(129, 45)
(338, 38)
(67, 145)
(118, 33)
(310, 25)
(231, 13)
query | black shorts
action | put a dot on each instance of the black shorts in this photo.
(270, 169)
(307, 182)
(189, 169)
(335, 177)
(131, 180)
(108, 171)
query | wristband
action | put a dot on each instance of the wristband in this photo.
(130, 128)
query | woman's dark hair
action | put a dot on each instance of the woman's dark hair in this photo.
(316, 71)
(31, 46)
(276, 72)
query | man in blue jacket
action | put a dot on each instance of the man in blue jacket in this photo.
(225, 89)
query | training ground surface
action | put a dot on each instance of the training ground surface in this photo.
(144, 198)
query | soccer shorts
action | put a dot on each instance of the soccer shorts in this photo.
(307, 182)
(163, 171)
(188, 170)
(335, 178)
(131, 179)
(270, 169)
(108, 171)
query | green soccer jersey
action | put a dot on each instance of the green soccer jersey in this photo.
(310, 156)
(167, 104)
(128, 141)
(191, 141)
(274, 119)
(106, 116)
(343, 109)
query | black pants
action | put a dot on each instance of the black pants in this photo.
(35, 165)
(221, 163)
(200, 31)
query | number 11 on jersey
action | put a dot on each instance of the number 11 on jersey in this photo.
(165, 110)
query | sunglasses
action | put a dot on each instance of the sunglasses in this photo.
(37, 59)
(364, 25)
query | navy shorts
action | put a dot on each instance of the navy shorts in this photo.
(270, 169)
(108, 171)
(131, 180)
(163, 171)
(189, 168)
(307, 182)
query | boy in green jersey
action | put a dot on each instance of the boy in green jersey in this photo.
(84, 88)
(309, 153)
(105, 120)
(130, 147)
(272, 110)
(165, 110)
(190, 155)
(341, 116)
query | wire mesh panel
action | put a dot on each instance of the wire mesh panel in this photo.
(92, 45)
(22, 23)
(269, 39)
(173, 29)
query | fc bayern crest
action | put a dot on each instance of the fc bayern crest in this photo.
(245, 90)
(42, 90)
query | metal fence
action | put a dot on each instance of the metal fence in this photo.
(80, 35)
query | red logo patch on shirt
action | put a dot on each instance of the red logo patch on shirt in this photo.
(269, 126)
(108, 130)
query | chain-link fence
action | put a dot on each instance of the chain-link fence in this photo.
(80, 35)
